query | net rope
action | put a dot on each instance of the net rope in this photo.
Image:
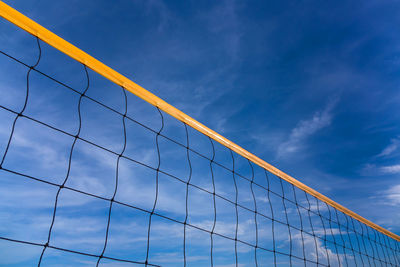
(336, 243)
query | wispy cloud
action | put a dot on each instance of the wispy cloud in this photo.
(390, 169)
(223, 19)
(315, 246)
(372, 169)
(369, 169)
(392, 147)
(306, 128)
(393, 195)
(164, 14)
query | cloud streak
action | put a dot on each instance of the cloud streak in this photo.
(307, 128)
(372, 169)
(392, 147)
(393, 195)
(393, 169)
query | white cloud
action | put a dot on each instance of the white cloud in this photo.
(393, 195)
(306, 128)
(392, 147)
(390, 169)
(375, 170)
(313, 246)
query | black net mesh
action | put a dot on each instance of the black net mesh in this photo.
(93, 176)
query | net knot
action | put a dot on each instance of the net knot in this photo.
(46, 245)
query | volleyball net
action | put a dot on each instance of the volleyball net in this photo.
(92, 175)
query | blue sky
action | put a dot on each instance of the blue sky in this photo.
(311, 87)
